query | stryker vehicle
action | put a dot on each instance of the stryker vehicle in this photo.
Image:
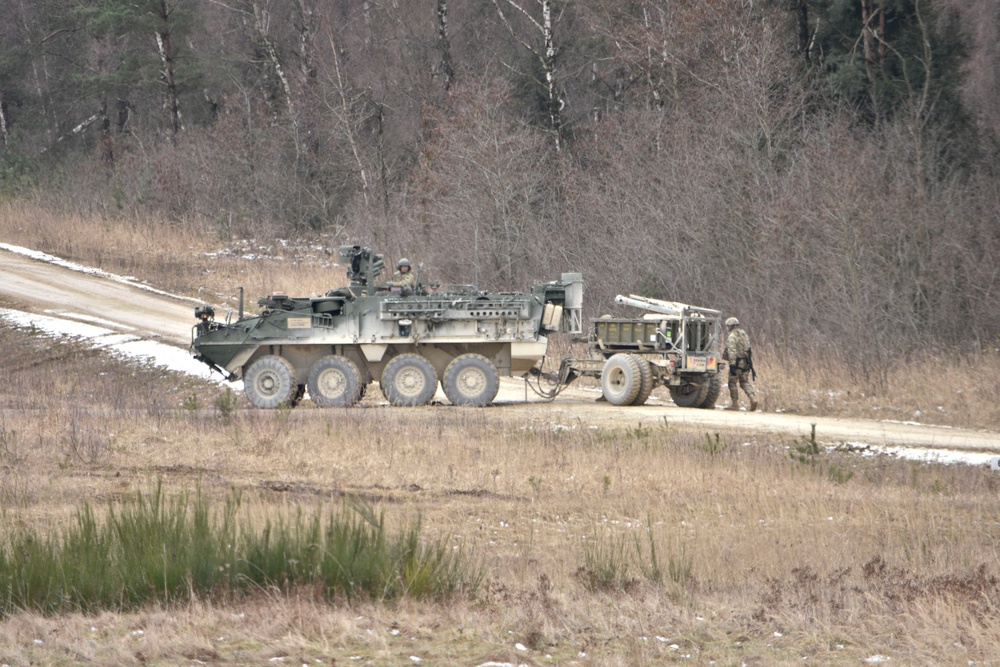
(674, 345)
(406, 338)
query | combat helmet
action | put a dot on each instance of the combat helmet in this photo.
(401, 263)
(732, 322)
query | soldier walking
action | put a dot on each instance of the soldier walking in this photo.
(739, 354)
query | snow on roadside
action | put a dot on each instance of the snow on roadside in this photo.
(103, 334)
(123, 344)
(922, 454)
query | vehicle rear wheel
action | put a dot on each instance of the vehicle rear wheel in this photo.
(646, 382)
(409, 380)
(712, 395)
(689, 395)
(621, 379)
(470, 379)
(270, 382)
(334, 381)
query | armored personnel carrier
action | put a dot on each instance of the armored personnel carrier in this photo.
(408, 339)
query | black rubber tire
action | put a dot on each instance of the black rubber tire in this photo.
(471, 379)
(270, 382)
(334, 382)
(409, 380)
(689, 395)
(646, 382)
(712, 395)
(621, 379)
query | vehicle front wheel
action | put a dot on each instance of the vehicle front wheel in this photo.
(270, 382)
(409, 380)
(470, 379)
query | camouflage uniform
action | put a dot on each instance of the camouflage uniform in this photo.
(737, 354)
(400, 279)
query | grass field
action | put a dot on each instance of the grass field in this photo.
(640, 545)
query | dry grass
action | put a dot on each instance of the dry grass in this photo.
(765, 553)
(843, 557)
(192, 258)
(948, 390)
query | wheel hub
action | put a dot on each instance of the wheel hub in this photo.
(410, 381)
(471, 381)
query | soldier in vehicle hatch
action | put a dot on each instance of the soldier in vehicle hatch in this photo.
(403, 277)
(739, 354)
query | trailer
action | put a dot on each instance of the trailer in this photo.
(675, 345)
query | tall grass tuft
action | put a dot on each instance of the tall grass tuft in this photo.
(155, 549)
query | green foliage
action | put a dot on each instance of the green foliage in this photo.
(610, 561)
(155, 549)
(226, 403)
(839, 474)
(17, 170)
(713, 446)
(191, 403)
(807, 450)
(605, 564)
(915, 49)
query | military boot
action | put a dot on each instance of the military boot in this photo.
(753, 405)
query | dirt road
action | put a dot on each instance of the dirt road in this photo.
(128, 307)
(44, 287)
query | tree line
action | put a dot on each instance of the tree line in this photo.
(825, 169)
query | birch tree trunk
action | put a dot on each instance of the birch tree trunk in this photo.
(3, 121)
(444, 43)
(261, 21)
(868, 38)
(307, 21)
(546, 56)
(166, 50)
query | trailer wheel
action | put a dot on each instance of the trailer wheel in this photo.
(334, 381)
(470, 379)
(689, 394)
(270, 382)
(409, 380)
(712, 395)
(621, 379)
(646, 382)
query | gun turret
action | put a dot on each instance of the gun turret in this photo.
(364, 267)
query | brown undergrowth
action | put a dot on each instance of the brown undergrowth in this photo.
(599, 545)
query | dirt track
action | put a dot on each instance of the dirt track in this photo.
(42, 287)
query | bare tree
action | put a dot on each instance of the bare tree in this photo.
(444, 44)
(163, 13)
(545, 54)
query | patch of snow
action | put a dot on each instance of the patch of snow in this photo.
(925, 454)
(124, 345)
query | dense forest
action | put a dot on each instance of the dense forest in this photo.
(825, 169)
